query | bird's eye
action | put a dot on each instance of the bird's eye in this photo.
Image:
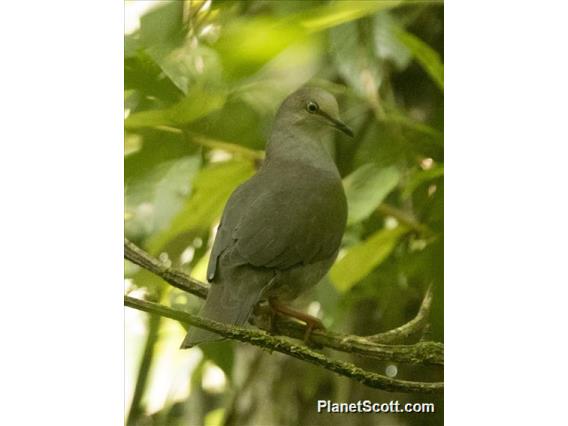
(312, 107)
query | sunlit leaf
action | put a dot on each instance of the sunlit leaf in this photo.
(363, 258)
(284, 74)
(341, 12)
(212, 187)
(199, 102)
(247, 44)
(366, 188)
(132, 143)
(188, 65)
(152, 199)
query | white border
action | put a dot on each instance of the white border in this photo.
(62, 216)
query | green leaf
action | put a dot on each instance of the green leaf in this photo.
(355, 59)
(341, 12)
(187, 65)
(212, 187)
(366, 188)
(361, 259)
(236, 123)
(199, 102)
(247, 44)
(427, 57)
(132, 143)
(153, 198)
(142, 73)
(164, 24)
(157, 147)
(386, 43)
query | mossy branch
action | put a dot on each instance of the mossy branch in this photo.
(176, 278)
(278, 344)
(425, 353)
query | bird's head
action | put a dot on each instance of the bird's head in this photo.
(313, 109)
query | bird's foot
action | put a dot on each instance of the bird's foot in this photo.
(311, 327)
(312, 323)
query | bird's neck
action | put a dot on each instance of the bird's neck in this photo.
(301, 146)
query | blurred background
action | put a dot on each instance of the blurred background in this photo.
(203, 80)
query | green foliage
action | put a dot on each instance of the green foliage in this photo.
(366, 188)
(203, 81)
(248, 44)
(212, 187)
(181, 113)
(421, 177)
(425, 55)
(162, 186)
(363, 258)
(356, 62)
(338, 13)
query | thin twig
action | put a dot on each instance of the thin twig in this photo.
(411, 328)
(404, 218)
(211, 143)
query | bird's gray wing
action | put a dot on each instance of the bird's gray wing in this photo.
(292, 222)
(238, 201)
(280, 223)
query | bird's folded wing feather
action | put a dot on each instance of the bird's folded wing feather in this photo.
(282, 224)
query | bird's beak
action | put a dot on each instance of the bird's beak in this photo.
(342, 127)
(339, 125)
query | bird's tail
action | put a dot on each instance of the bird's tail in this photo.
(227, 303)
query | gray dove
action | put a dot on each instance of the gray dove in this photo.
(281, 230)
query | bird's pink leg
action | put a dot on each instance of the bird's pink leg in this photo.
(312, 322)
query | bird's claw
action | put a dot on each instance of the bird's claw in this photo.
(312, 323)
(310, 327)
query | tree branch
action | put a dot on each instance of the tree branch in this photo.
(412, 327)
(426, 353)
(176, 278)
(266, 341)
